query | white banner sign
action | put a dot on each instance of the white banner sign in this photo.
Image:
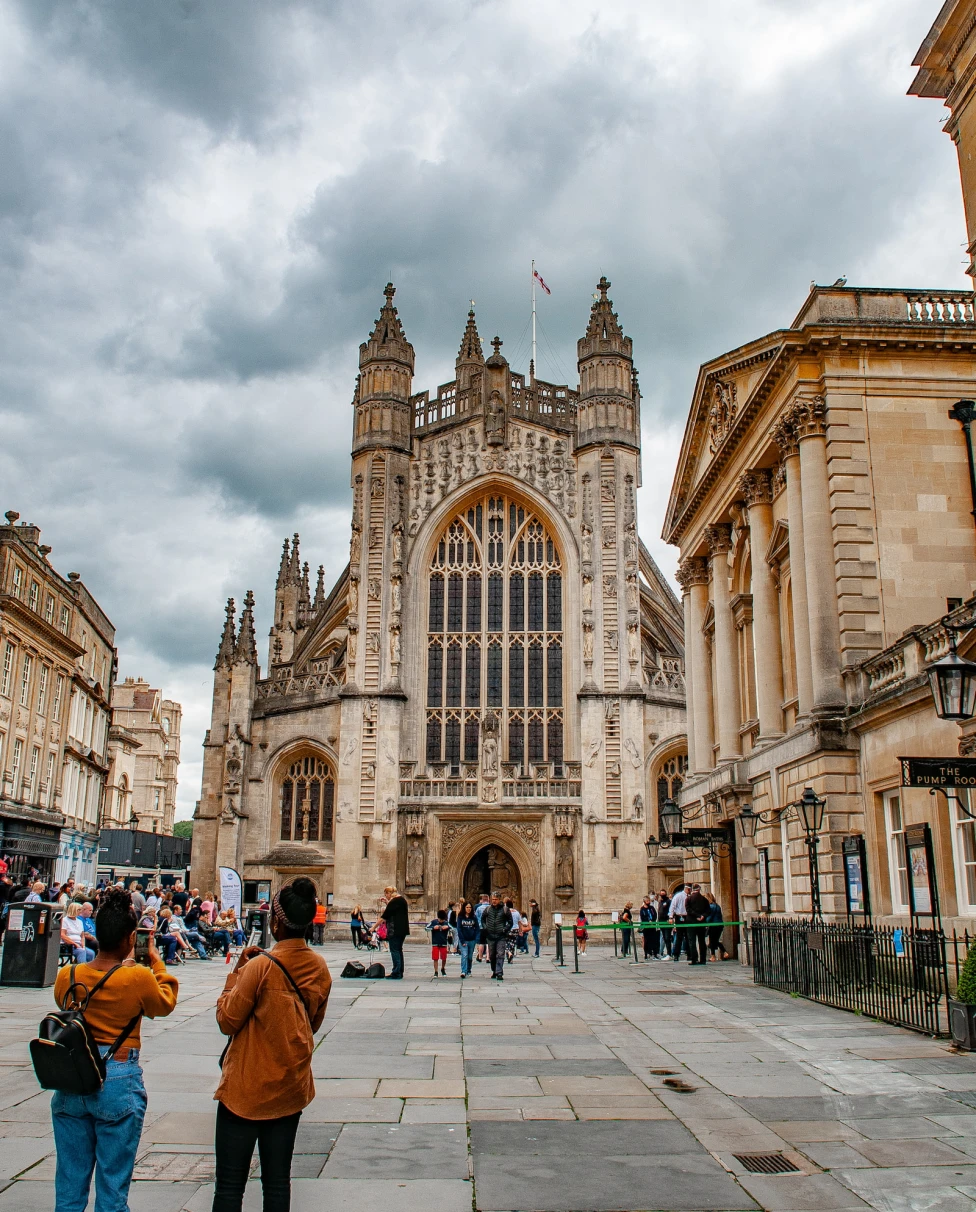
(231, 892)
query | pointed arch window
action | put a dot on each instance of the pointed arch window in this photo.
(495, 636)
(306, 800)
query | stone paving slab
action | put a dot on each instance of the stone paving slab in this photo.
(554, 1073)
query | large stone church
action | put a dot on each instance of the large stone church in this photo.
(491, 696)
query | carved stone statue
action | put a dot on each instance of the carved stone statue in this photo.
(495, 421)
(564, 863)
(415, 865)
(489, 765)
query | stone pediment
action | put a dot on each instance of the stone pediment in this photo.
(292, 855)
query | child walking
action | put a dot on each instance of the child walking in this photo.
(440, 934)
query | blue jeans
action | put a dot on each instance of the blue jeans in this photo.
(535, 938)
(84, 955)
(467, 955)
(167, 944)
(99, 1132)
(195, 939)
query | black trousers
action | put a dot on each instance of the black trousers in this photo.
(234, 1145)
(697, 952)
(396, 954)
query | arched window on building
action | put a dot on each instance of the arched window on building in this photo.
(495, 636)
(671, 778)
(306, 800)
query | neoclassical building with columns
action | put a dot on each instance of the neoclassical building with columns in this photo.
(823, 511)
(491, 695)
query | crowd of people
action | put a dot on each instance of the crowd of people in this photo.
(690, 921)
(491, 931)
(272, 1004)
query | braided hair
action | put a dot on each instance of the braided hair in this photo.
(115, 920)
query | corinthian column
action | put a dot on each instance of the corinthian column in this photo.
(757, 489)
(726, 652)
(693, 579)
(809, 419)
(786, 439)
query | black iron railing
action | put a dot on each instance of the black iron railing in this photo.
(895, 974)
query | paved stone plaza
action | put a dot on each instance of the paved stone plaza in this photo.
(548, 1092)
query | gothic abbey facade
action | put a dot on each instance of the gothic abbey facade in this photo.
(492, 694)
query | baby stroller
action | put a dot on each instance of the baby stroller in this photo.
(368, 938)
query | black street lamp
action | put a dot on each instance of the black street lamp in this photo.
(133, 823)
(671, 817)
(810, 809)
(653, 847)
(953, 680)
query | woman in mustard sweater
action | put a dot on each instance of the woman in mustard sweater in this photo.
(100, 1132)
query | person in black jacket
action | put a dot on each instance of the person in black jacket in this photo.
(650, 937)
(497, 924)
(696, 915)
(397, 921)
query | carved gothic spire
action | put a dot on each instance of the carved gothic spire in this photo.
(471, 350)
(603, 324)
(295, 563)
(228, 640)
(246, 652)
(283, 567)
(320, 589)
(387, 342)
(305, 585)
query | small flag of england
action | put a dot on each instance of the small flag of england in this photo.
(538, 278)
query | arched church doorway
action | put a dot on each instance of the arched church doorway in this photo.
(492, 869)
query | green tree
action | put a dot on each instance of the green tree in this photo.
(967, 980)
(183, 829)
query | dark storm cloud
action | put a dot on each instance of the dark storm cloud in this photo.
(201, 201)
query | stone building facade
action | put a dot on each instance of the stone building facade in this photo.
(492, 693)
(57, 663)
(823, 511)
(946, 63)
(144, 753)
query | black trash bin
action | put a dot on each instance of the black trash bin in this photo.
(31, 944)
(257, 931)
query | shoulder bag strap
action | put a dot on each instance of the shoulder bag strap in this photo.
(88, 992)
(291, 981)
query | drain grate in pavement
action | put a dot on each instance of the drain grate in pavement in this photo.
(766, 1163)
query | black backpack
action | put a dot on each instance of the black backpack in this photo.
(375, 972)
(354, 968)
(66, 1054)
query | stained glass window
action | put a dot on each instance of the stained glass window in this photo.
(486, 629)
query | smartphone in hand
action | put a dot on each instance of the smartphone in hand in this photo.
(143, 939)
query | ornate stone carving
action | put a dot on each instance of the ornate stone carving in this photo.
(635, 757)
(564, 824)
(756, 487)
(785, 437)
(719, 538)
(564, 866)
(369, 711)
(722, 412)
(452, 832)
(638, 807)
(415, 865)
(593, 751)
(610, 640)
(414, 822)
(779, 478)
(808, 416)
(530, 835)
(692, 571)
(609, 586)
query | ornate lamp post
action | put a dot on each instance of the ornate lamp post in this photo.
(953, 679)
(809, 809)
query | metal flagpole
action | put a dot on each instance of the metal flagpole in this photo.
(532, 363)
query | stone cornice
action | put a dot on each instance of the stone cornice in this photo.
(922, 338)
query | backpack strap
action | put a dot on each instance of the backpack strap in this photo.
(125, 1033)
(291, 981)
(126, 1030)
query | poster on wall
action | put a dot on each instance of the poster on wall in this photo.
(231, 891)
(764, 905)
(918, 860)
(855, 877)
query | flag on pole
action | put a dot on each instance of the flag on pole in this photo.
(538, 278)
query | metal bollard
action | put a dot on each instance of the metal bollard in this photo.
(615, 940)
(559, 947)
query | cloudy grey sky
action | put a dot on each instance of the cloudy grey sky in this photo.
(201, 200)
